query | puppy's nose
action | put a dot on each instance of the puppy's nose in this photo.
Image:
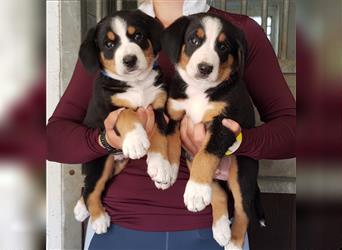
(130, 60)
(205, 68)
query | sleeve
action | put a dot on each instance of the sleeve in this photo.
(69, 141)
(275, 138)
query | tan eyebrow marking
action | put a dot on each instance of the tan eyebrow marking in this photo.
(111, 35)
(200, 33)
(222, 37)
(131, 30)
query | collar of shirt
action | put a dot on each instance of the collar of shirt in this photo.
(189, 7)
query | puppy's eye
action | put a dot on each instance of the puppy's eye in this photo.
(109, 44)
(223, 47)
(195, 41)
(138, 37)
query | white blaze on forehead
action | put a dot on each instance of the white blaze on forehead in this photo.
(126, 47)
(206, 53)
(212, 28)
(119, 27)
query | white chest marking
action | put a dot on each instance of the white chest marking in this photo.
(195, 106)
(142, 92)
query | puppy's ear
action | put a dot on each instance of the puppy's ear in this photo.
(153, 28)
(241, 56)
(172, 38)
(89, 52)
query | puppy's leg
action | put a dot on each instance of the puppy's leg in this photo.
(80, 210)
(221, 223)
(135, 140)
(243, 197)
(99, 218)
(159, 169)
(174, 147)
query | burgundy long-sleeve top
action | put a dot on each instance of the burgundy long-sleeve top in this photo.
(131, 199)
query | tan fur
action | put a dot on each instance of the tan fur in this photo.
(222, 37)
(122, 102)
(200, 33)
(119, 166)
(216, 110)
(176, 115)
(225, 69)
(131, 30)
(184, 59)
(219, 202)
(158, 143)
(174, 147)
(160, 101)
(240, 224)
(149, 54)
(126, 122)
(108, 64)
(110, 35)
(204, 165)
(94, 200)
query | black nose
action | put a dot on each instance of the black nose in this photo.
(205, 69)
(130, 60)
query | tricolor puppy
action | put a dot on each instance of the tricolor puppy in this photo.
(124, 48)
(209, 54)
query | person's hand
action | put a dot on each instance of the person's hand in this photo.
(193, 135)
(232, 125)
(146, 117)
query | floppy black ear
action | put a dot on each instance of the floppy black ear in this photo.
(154, 29)
(241, 56)
(89, 52)
(173, 37)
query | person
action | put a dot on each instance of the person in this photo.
(143, 217)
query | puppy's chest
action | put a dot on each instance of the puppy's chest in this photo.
(139, 94)
(198, 106)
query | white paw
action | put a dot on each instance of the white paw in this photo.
(197, 196)
(101, 223)
(174, 174)
(221, 230)
(136, 143)
(80, 211)
(160, 170)
(232, 246)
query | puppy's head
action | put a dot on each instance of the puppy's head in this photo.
(205, 49)
(124, 44)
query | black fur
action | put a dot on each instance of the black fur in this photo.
(105, 87)
(232, 91)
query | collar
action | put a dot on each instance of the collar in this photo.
(189, 7)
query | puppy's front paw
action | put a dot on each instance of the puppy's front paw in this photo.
(160, 170)
(136, 143)
(232, 246)
(80, 211)
(221, 230)
(101, 223)
(197, 196)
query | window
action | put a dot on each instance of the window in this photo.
(268, 27)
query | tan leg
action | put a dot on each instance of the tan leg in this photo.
(98, 217)
(240, 223)
(158, 166)
(198, 191)
(135, 140)
(221, 223)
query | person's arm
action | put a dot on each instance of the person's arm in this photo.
(275, 139)
(68, 140)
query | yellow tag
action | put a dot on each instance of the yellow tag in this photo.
(236, 145)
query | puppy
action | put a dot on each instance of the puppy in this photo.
(124, 48)
(209, 54)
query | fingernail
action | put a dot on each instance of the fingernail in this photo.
(226, 122)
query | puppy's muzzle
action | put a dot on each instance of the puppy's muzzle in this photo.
(205, 69)
(130, 62)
